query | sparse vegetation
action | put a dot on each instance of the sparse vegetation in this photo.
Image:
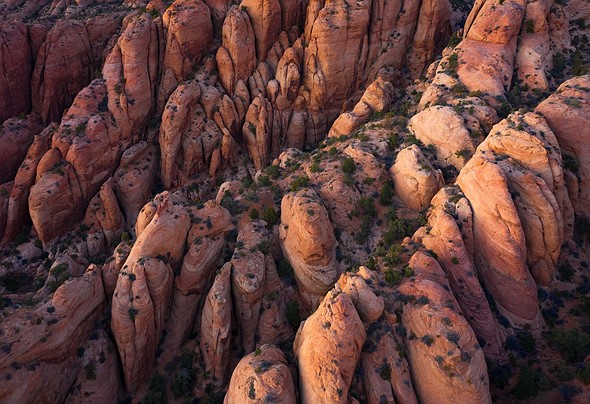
(156, 393)
(299, 182)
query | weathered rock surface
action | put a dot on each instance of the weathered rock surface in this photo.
(205, 245)
(327, 347)
(376, 98)
(432, 33)
(265, 16)
(500, 244)
(216, 325)
(16, 70)
(77, 305)
(308, 242)
(55, 201)
(104, 220)
(17, 210)
(134, 180)
(63, 67)
(98, 380)
(445, 129)
(527, 139)
(444, 236)
(236, 58)
(440, 331)
(368, 305)
(414, 178)
(189, 36)
(486, 55)
(386, 371)
(565, 112)
(108, 115)
(17, 134)
(260, 376)
(143, 295)
(336, 38)
(248, 280)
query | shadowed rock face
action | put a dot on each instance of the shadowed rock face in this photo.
(236, 58)
(205, 246)
(107, 115)
(17, 211)
(17, 135)
(15, 70)
(63, 68)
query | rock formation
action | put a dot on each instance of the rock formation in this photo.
(308, 242)
(327, 346)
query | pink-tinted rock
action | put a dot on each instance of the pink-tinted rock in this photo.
(308, 242)
(327, 347)
(64, 66)
(260, 376)
(15, 70)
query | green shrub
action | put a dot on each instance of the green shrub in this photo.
(571, 163)
(527, 341)
(264, 181)
(453, 62)
(299, 182)
(132, 313)
(526, 386)
(273, 172)
(397, 228)
(393, 141)
(254, 214)
(348, 165)
(579, 68)
(530, 383)
(427, 340)
(583, 373)
(385, 370)
(157, 390)
(393, 277)
(90, 371)
(182, 384)
(293, 314)
(455, 39)
(386, 195)
(566, 272)
(559, 65)
(270, 216)
(572, 344)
